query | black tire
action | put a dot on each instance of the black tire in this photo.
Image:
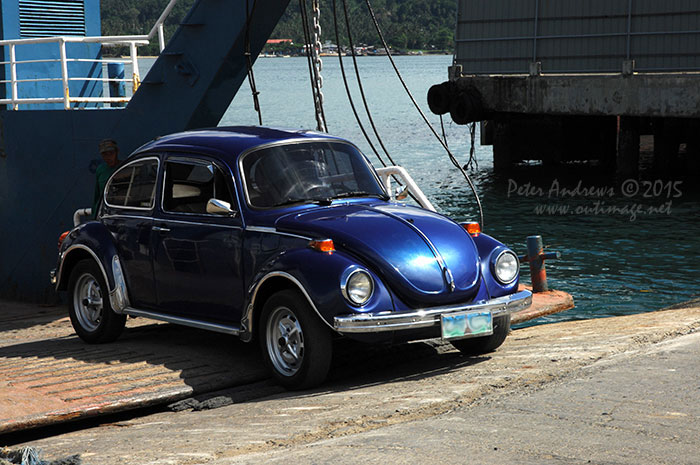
(296, 344)
(90, 312)
(486, 344)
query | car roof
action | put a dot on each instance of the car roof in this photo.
(227, 141)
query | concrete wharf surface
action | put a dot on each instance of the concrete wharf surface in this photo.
(50, 376)
(620, 390)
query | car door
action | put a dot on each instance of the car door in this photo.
(197, 255)
(129, 202)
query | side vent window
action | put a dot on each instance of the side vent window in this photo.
(45, 18)
(133, 186)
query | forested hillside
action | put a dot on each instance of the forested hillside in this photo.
(406, 24)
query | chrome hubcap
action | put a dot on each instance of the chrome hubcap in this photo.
(87, 301)
(285, 341)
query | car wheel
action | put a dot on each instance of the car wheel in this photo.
(88, 305)
(296, 345)
(486, 344)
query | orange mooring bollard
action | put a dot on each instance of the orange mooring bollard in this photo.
(536, 258)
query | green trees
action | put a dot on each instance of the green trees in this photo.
(414, 24)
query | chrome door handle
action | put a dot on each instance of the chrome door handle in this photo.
(160, 229)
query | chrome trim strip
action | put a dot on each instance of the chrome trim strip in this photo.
(299, 140)
(447, 276)
(123, 207)
(247, 320)
(190, 161)
(169, 220)
(269, 230)
(121, 296)
(345, 277)
(219, 328)
(65, 253)
(501, 250)
(425, 318)
(114, 299)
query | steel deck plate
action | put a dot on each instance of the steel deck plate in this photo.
(60, 378)
(49, 376)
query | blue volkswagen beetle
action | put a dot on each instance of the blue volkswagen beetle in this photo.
(290, 238)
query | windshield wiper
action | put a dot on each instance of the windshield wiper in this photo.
(300, 201)
(345, 195)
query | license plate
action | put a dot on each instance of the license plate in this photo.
(466, 324)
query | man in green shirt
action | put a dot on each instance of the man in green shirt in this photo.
(110, 155)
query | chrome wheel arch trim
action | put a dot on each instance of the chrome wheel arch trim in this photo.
(247, 322)
(64, 254)
(119, 295)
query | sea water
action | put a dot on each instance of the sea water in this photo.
(627, 246)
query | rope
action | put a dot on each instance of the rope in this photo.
(472, 163)
(442, 126)
(249, 63)
(410, 95)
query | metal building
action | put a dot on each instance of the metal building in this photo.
(36, 61)
(549, 74)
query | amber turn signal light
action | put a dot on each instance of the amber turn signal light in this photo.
(61, 238)
(473, 228)
(323, 245)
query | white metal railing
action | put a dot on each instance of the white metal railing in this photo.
(132, 41)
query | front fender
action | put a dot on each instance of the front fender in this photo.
(93, 240)
(317, 276)
(486, 245)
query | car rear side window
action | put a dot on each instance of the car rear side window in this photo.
(133, 186)
(189, 186)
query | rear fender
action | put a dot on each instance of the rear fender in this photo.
(93, 241)
(316, 275)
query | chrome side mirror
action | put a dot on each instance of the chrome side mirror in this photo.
(219, 207)
(401, 192)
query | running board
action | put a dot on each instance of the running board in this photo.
(219, 328)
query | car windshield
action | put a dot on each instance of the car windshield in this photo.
(304, 172)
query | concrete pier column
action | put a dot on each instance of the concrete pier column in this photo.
(692, 150)
(502, 146)
(667, 140)
(628, 147)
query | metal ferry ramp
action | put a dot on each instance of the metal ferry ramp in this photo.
(49, 376)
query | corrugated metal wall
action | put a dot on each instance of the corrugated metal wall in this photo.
(505, 36)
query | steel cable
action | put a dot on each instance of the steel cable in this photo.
(359, 83)
(249, 63)
(427, 122)
(347, 89)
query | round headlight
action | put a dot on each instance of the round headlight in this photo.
(506, 267)
(357, 287)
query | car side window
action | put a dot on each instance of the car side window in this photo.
(133, 186)
(189, 185)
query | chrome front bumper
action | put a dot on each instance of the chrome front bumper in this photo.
(425, 318)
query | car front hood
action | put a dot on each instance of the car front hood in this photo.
(426, 257)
